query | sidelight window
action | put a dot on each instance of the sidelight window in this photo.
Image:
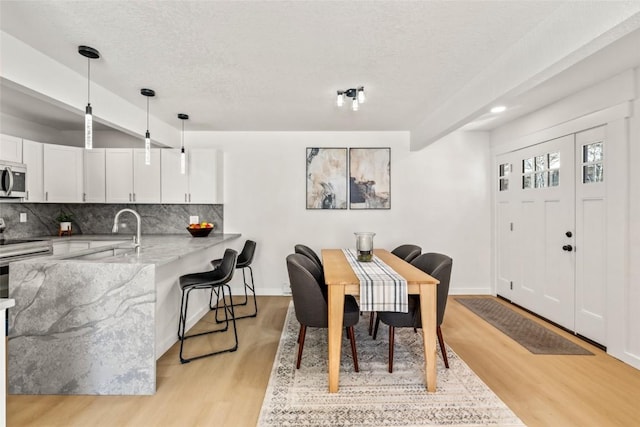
(593, 162)
(503, 172)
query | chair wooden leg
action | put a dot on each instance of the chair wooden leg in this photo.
(375, 329)
(303, 330)
(372, 317)
(443, 349)
(352, 338)
(391, 337)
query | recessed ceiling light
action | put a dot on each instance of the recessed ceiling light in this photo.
(498, 109)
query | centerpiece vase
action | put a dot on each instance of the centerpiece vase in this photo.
(364, 245)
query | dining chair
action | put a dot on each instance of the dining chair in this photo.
(309, 253)
(437, 266)
(245, 258)
(217, 279)
(408, 253)
(310, 303)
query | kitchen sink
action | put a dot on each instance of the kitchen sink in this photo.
(101, 253)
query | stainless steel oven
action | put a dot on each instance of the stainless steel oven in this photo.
(13, 179)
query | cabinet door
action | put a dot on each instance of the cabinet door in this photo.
(10, 148)
(63, 172)
(174, 185)
(94, 175)
(32, 156)
(146, 178)
(119, 186)
(203, 176)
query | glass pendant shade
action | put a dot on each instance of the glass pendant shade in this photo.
(183, 161)
(354, 104)
(361, 96)
(147, 148)
(88, 128)
(340, 99)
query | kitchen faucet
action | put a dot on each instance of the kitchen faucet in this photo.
(136, 239)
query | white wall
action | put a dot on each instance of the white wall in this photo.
(615, 103)
(440, 200)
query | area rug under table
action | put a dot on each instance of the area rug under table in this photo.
(374, 397)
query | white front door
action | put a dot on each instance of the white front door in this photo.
(551, 231)
(545, 231)
(591, 253)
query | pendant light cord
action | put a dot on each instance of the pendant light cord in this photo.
(88, 80)
(147, 114)
(182, 142)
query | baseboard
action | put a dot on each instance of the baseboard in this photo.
(471, 291)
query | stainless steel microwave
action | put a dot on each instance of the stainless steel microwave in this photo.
(13, 179)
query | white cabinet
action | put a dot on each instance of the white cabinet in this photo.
(63, 170)
(94, 176)
(32, 156)
(10, 148)
(200, 182)
(146, 178)
(129, 179)
(119, 175)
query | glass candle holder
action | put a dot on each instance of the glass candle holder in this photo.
(364, 245)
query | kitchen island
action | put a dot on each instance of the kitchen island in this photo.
(87, 325)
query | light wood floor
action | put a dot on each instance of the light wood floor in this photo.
(227, 390)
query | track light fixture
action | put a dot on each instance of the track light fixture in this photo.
(357, 97)
(89, 53)
(183, 156)
(147, 136)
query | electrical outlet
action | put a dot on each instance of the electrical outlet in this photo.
(23, 217)
(194, 219)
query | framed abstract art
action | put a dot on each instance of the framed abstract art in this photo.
(326, 178)
(370, 178)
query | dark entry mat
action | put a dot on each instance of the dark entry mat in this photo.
(531, 335)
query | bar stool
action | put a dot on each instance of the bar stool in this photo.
(244, 261)
(217, 280)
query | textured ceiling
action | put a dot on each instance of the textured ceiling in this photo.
(269, 66)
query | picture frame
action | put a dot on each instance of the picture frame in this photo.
(370, 178)
(326, 178)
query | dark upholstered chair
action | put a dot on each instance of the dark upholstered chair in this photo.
(439, 267)
(244, 261)
(217, 279)
(310, 303)
(406, 252)
(309, 253)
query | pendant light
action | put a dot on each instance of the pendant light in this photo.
(89, 53)
(183, 156)
(147, 136)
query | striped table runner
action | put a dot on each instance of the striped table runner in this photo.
(381, 288)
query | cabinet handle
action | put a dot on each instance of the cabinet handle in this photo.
(46, 195)
(27, 195)
(129, 196)
(189, 197)
(134, 197)
(84, 197)
(185, 197)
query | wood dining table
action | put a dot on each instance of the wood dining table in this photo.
(341, 280)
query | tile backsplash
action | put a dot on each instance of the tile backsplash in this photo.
(97, 218)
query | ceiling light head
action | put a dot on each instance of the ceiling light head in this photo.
(498, 109)
(182, 116)
(356, 94)
(147, 92)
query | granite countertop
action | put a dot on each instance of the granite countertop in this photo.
(158, 249)
(6, 303)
